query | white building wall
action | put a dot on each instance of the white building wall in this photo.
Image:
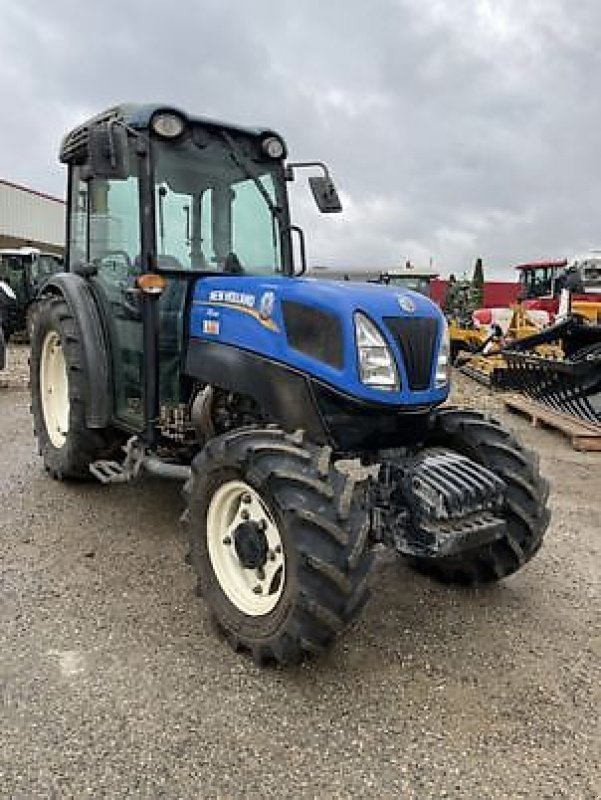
(25, 214)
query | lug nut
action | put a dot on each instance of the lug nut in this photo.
(246, 498)
(278, 548)
(261, 574)
(263, 524)
(258, 590)
(227, 540)
(271, 555)
(245, 515)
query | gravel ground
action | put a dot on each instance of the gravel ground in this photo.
(115, 685)
(15, 374)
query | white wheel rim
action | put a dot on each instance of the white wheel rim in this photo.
(254, 591)
(54, 389)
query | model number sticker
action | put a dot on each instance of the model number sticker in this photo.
(211, 327)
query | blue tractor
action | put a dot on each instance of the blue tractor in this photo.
(306, 418)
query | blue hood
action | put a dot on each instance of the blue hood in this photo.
(249, 313)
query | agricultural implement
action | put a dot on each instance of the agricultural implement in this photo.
(479, 351)
(184, 341)
(568, 377)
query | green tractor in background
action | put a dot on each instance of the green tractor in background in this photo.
(25, 270)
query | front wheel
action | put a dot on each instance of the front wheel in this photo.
(525, 511)
(58, 394)
(279, 541)
(30, 315)
(3, 342)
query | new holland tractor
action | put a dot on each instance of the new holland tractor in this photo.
(183, 341)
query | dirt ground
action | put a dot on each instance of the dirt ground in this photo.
(115, 685)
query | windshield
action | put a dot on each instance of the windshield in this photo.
(536, 282)
(13, 272)
(46, 265)
(217, 205)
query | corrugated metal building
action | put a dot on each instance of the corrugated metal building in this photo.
(30, 218)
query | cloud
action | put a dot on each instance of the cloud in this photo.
(454, 130)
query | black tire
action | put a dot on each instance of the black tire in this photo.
(30, 316)
(457, 348)
(324, 528)
(82, 445)
(3, 343)
(485, 441)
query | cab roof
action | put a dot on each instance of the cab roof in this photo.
(138, 116)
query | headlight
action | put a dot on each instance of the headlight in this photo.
(443, 363)
(376, 362)
(168, 125)
(273, 146)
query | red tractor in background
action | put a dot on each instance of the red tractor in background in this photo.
(541, 283)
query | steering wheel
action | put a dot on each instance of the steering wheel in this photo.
(123, 269)
(232, 265)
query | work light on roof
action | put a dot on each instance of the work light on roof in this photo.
(168, 125)
(273, 146)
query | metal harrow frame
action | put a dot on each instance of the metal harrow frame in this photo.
(571, 385)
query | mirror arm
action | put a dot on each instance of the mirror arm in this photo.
(303, 251)
(290, 167)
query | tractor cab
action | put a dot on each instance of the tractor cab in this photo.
(158, 199)
(541, 285)
(417, 279)
(539, 282)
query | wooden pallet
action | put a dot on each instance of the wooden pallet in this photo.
(582, 435)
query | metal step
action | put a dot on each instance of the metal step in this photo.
(110, 472)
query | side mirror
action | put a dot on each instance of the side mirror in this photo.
(325, 194)
(108, 151)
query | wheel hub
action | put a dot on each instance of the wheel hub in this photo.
(245, 548)
(251, 545)
(54, 389)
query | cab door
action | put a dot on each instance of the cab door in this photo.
(105, 233)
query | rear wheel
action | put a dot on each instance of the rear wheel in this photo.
(485, 441)
(58, 394)
(279, 541)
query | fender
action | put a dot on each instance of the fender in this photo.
(284, 393)
(79, 296)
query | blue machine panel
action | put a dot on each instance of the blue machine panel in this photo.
(246, 313)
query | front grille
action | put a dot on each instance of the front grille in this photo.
(416, 338)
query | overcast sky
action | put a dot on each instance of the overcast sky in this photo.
(453, 128)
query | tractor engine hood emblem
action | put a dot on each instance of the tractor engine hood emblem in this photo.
(266, 305)
(406, 303)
